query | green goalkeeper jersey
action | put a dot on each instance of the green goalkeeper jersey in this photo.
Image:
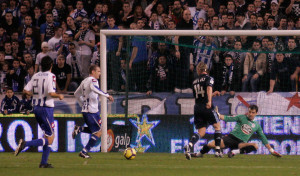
(244, 128)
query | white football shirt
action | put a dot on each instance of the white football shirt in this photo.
(41, 84)
(88, 93)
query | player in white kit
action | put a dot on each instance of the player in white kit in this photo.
(42, 87)
(87, 95)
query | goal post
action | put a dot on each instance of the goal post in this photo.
(103, 52)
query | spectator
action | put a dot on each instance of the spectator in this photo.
(282, 23)
(9, 23)
(29, 48)
(114, 46)
(197, 13)
(282, 69)
(258, 7)
(176, 11)
(275, 11)
(160, 10)
(22, 13)
(10, 103)
(215, 22)
(62, 72)
(231, 8)
(293, 8)
(26, 104)
(45, 52)
(63, 45)
(96, 56)
(253, 21)
(12, 8)
(230, 21)
(242, 22)
(8, 53)
(204, 52)
(138, 61)
(260, 22)
(160, 79)
(125, 14)
(254, 68)
(2, 59)
(79, 11)
(97, 14)
(294, 58)
(3, 80)
(38, 17)
(55, 42)
(182, 66)
(59, 11)
(86, 41)
(270, 57)
(3, 36)
(47, 7)
(153, 22)
(122, 74)
(15, 77)
(229, 81)
(238, 58)
(73, 59)
(71, 26)
(30, 72)
(271, 23)
(47, 29)
(16, 52)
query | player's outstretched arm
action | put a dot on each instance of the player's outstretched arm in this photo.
(56, 95)
(272, 151)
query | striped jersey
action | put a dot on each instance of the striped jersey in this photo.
(87, 95)
(41, 84)
(203, 53)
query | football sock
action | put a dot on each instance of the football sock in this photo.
(217, 137)
(205, 149)
(236, 151)
(85, 130)
(45, 155)
(194, 139)
(91, 143)
(36, 142)
(247, 149)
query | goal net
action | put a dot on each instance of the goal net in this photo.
(154, 71)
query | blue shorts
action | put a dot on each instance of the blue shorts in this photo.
(44, 116)
(93, 121)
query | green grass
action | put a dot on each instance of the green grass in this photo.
(69, 164)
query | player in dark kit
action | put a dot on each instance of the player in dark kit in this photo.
(204, 114)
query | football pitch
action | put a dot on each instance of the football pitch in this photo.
(70, 164)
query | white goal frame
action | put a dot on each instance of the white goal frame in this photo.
(104, 33)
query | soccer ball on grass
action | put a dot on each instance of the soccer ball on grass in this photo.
(130, 153)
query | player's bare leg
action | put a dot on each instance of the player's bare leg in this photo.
(243, 148)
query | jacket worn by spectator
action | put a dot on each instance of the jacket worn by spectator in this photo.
(10, 104)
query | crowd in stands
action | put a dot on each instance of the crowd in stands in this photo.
(68, 32)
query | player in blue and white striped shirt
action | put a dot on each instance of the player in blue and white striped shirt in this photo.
(87, 95)
(42, 86)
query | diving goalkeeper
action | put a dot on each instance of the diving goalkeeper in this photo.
(238, 139)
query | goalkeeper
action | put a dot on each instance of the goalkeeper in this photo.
(238, 139)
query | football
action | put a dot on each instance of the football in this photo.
(130, 153)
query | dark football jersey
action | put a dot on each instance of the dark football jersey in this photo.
(200, 85)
